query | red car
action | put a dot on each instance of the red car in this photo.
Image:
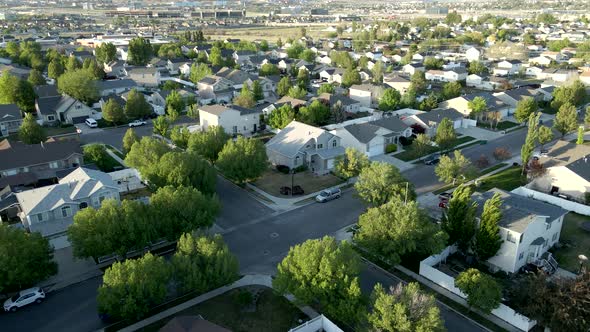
(442, 205)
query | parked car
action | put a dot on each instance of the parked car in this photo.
(90, 122)
(285, 190)
(445, 197)
(443, 204)
(23, 298)
(432, 159)
(328, 195)
(136, 123)
(297, 190)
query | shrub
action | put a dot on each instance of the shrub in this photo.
(406, 141)
(482, 162)
(300, 169)
(501, 154)
(389, 148)
(418, 129)
(283, 169)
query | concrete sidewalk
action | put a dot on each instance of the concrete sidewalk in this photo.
(70, 270)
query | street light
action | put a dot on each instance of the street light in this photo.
(582, 260)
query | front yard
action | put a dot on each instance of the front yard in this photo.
(508, 179)
(267, 312)
(575, 241)
(504, 125)
(408, 154)
(272, 181)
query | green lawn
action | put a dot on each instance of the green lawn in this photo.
(576, 241)
(270, 313)
(53, 131)
(480, 173)
(504, 125)
(509, 179)
(409, 155)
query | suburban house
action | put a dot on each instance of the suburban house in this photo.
(50, 210)
(567, 171)
(115, 68)
(331, 75)
(117, 87)
(461, 104)
(234, 119)
(236, 76)
(481, 82)
(451, 75)
(215, 88)
(546, 93)
(173, 65)
(64, 109)
(507, 67)
(512, 97)
(472, 54)
(299, 144)
(367, 94)
(397, 82)
(10, 119)
(540, 60)
(145, 76)
(372, 138)
(528, 228)
(412, 68)
(43, 160)
(159, 97)
(348, 105)
(430, 120)
(16, 70)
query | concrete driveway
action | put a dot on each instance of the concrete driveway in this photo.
(480, 133)
(401, 165)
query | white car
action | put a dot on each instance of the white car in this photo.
(24, 297)
(328, 195)
(136, 123)
(90, 122)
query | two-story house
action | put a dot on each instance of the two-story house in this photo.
(173, 65)
(507, 67)
(234, 119)
(10, 119)
(372, 138)
(213, 88)
(116, 87)
(145, 76)
(50, 210)
(368, 95)
(528, 228)
(299, 144)
(115, 68)
(397, 82)
(461, 104)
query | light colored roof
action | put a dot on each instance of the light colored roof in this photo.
(291, 139)
(575, 157)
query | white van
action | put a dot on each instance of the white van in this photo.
(90, 122)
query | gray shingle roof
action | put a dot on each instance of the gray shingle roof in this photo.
(116, 84)
(15, 154)
(437, 115)
(47, 105)
(291, 139)
(9, 112)
(392, 123)
(46, 91)
(573, 156)
(363, 132)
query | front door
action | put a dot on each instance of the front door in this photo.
(254, 129)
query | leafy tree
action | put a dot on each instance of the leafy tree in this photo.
(487, 238)
(243, 160)
(175, 101)
(526, 151)
(458, 221)
(27, 258)
(36, 78)
(433, 63)
(72, 64)
(574, 93)
(208, 144)
(281, 117)
(199, 71)
(80, 85)
(303, 78)
(580, 139)
(477, 106)
(203, 263)
(308, 55)
(429, 103)
(350, 78)
(140, 51)
(129, 139)
(587, 117)
(545, 135)
(268, 69)
(136, 107)
(524, 108)
(445, 134)
(396, 310)
(452, 90)
(326, 88)
(126, 292)
(325, 272)
(379, 182)
(106, 52)
(146, 153)
(482, 291)
(257, 91)
(97, 154)
(418, 82)
(161, 125)
(294, 52)
(183, 169)
(421, 145)
(169, 51)
(16, 91)
(390, 100)
(284, 86)
(264, 45)
(30, 131)
(315, 114)
(453, 18)
(113, 112)
(566, 119)
(297, 92)
(377, 72)
(398, 228)
(477, 67)
(180, 136)
(351, 163)
(94, 68)
(55, 69)
(246, 98)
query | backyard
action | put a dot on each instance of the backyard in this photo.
(575, 241)
(272, 181)
(266, 312)
(508, 179)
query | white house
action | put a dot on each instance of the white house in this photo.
(540, 60)
(412, 68)
(528, 228)
(367, 94)
(507, 67)
(472, 54)
(479, 82)
(451, 75)
(372, 138)
(234, 119)
(430, 120)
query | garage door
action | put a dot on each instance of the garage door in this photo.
(79, 119)
(376, 150)
(457, 124)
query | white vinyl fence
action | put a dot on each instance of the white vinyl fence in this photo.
(563, 203)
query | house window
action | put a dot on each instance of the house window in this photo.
(510, 237)
(83, 205)
(546, 243)
(555, 237)
(520, 256)
(297, 161)
(101, 198)
(50, 118)
(66, 211)
(235, 129)
(334, 143)
(320, 146)
(53, 164)
(39, 217)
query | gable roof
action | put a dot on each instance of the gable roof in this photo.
(575, 157)
(47, 105)
(16, 154)
(437, 115)
(116, 84)
(392, 123)
(9, 112)
(46, 91)
(291, 139)
(520, 93)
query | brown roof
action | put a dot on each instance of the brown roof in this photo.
(191, 324)
(16, 154)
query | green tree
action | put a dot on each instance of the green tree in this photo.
(566, 119)
(350, 78)
(140, 51)
(264, 45)
(458, 221)
(453, 18)
(243, 160)
(268, 69)
(482, 291)
(208, 144)
(487, 238)
(113, 112)
(452, 90)
(136, 107)
(129, 139)
(418, 82)
(30, 131)
(574, 93)
(281, 117)
(324, 272)
(106, 52)
(477, 106)
(97, 154)
(350, 164)
(297, 92)
(303, 78)
(526, 151)
(430, 103)
(396, 310)
(161, 126)
(55, 69)
(180, 136)
(183, 169)
(315, 114)
(126, 292)
(169, 51)
(451, 170)
(284, 86)
(477, 67)
(433, 63)
(326, 88)
(72, 64)
(390, 100)
(16, 91)
(587, 117)
(421, 145)
(199, 71)
(308, 55)
(246, 98)
(398, 228)
(36, 78)
(377, 72)
(379, 182)
(524, 108)
(203, 263)
(26, 259)
(175, 101)
(445, 134)
(545, 135)
(80, 85)
(146, 153)
(580, 139)
(257, 91)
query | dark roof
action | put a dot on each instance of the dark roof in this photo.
(575, 157)
(437, 115)
(492, 101)
(115, 84)
(244, 111)
(520, 93)
(391, 123)
(47, 105)
(19, 179)
(208, 80)
(46, 91)
(363, 132)
(16, 154)
(180, 60)
(9, 112)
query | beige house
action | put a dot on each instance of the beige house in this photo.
(234, 119)
(145, 76)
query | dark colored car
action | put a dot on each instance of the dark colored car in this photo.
(432, 159)
(297, 190)
(285, 190)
